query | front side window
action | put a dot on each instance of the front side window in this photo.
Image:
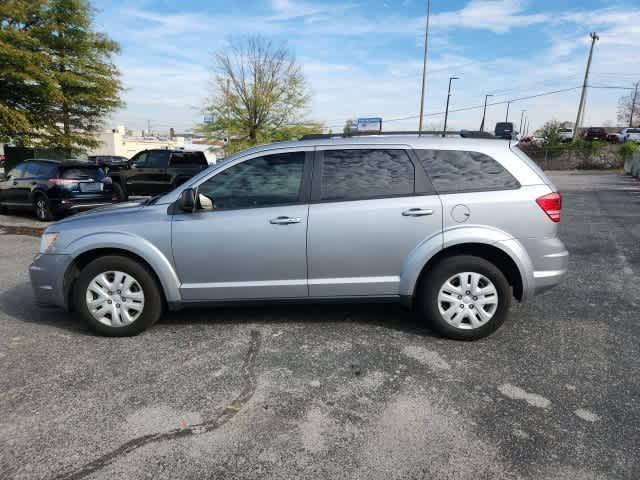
(140, 159)
(365, 173)
(31, 170)
(454, 171)
(260, 182)
(18, 171)
(190, 159)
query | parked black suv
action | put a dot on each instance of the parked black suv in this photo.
(51, 187)
(595, 133)
(152, 172)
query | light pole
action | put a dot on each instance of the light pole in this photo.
(446, 111)
(424, 66)
(484, 112)
(506, 117)
(521, 118)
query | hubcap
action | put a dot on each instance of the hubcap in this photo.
(467, 300)
(115, 298)
(40, 207)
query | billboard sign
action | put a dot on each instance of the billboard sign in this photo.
(371, 124)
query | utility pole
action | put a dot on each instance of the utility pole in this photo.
(521, 118)
(506, 117)
(577, 126)
(446, 112)
(424, 66)
(484, 112)
(633, 105)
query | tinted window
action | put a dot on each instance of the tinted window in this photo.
(83, 172)
(360, 174)
(47, 170)
(259, 182)
(633, 130)
(157, 159)
(18, 171)
(454, 171)
(31, 169)
(188, 159)
(140, 159)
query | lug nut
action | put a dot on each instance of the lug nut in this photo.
(475, 298)
(467, 292)
(123, 299)
(470, 306)
(459, 297)
(117, 305)
(118, 292)
(109, 302)
(462, 305)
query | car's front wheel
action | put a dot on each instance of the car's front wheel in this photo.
(465, 297)
(118, 296)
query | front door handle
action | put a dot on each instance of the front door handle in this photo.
(284, 220)
(417, 212)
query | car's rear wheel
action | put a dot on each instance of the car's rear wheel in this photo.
(118, 296)
(465, 297)
(43, 208)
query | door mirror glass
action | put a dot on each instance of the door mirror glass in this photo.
(187, 201)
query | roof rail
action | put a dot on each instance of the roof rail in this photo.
(462, 133)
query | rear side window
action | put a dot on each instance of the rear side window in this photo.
(83, 172)
(47, 170)
(18, 171)
(157, 159)
(453, 171)
(188, 159)
(361, 174)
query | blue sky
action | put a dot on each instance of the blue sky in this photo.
(364, 58)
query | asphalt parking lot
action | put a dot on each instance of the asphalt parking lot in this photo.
(348, 391)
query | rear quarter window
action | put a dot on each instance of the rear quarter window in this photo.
(455, 171)
(188, 159)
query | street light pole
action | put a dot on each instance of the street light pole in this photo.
(506, 117)
(446, 112)
(484, 112)
(424, 66)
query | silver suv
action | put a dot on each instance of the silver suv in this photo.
(452, 227)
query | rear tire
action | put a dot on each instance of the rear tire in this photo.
(101, 292)
(452, 293)
(42, 206)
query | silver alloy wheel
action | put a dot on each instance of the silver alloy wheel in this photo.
(114, 298)
(41, 209)
(467, 300)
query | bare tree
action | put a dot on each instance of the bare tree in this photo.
(629, 108)
(260, 94)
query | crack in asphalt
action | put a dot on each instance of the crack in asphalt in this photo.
(210, 425)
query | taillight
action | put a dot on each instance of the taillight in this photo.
(62, 181)
(552, 205)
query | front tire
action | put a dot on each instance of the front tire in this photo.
(117, 296)
(465, 297)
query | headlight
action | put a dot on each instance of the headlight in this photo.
(47, 241)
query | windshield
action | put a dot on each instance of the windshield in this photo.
(83, 172)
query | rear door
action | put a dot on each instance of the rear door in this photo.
(10, 187)
(26, 183)
(370, 208)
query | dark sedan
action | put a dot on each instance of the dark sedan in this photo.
(595, 133)
(51, 188)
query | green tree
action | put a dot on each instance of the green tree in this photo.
(63, 82)
(550, 131)
(260, 95)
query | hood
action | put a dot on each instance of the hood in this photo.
(117, 208)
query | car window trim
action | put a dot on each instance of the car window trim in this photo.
(421, 183)
(305, 187)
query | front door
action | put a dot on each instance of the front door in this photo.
(247, 237)
(148, 173)
(370, 208)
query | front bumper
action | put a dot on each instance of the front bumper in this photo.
(47, 273)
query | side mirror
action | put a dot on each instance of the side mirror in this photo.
(187, 200)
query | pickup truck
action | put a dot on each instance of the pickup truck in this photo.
(152, 172)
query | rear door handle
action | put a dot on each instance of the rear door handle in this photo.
(417, 212)
(284, 220)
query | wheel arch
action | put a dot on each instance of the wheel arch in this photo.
(139, 250)
(490, 244)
